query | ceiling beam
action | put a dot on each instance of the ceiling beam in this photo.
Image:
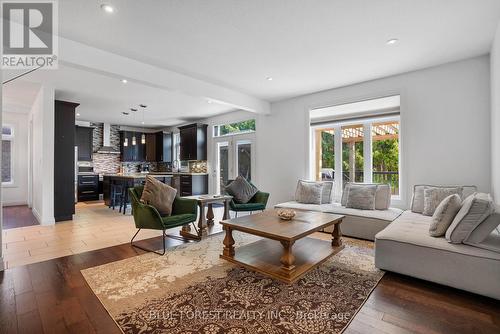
(88, 58)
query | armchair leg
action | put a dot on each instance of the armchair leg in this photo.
(149, 250)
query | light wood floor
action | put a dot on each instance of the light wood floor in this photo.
(95, 226)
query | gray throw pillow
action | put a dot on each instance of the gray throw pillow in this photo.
(435, 195)
(382, 194)
(241, 190)
(361, 197)
(159, 195)
(309, 192)
(444, 215)
(475, 209)
(417, 200)
(326, 195)
(483, 230)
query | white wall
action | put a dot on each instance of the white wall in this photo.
(17, 193)
(445, 130)
(495, 117)
(42, 116)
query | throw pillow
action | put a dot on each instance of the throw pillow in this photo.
(361, 197)
(159, 195)
(309, 193)
(326, 195)
(435, 195)
(475, 209)
(241, 190)
(444, 215)
(382, 195)
(483, 230)
(417, 200)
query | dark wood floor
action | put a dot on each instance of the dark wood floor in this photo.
(18, 216)
(53, 297)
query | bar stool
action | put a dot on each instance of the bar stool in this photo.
(116, 195)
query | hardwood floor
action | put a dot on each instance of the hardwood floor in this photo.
(18, 216)
(53, 297)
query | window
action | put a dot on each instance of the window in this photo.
(7, 141)
(385, 154)
(234, 128)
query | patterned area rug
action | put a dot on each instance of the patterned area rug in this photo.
(191, 290)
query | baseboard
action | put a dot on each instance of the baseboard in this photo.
(14, 203)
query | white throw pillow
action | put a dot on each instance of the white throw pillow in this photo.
(361, 197)
(475, 209)
(444, 215)
(435, 195)
(382, 194)
(309, 193)
(483, 230)
(326, 196)
(417, 200)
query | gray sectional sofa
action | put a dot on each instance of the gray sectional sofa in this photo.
(403, 245)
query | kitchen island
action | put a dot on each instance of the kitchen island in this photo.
(187, 184)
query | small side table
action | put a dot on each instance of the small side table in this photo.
(206, 220)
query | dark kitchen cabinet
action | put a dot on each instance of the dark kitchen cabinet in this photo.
(83, 140)
(191, 185)
(64, 160)
(159, 147)
(131, 152)
(88, 187)
(193, 142)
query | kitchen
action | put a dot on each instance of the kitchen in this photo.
(112, 158)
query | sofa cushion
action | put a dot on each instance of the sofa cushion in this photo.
(382, 195)
(386, 215)
(417, 201)
(435, 195)
(309, 192)
(241, 190)
(159, 195)
(483, 230)
(361, 197)
(444, 215)
(326, 195)
(491, 242)
(475, 209)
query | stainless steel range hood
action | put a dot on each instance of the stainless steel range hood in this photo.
(106, 141)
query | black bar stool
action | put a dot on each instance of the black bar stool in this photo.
(117, 191)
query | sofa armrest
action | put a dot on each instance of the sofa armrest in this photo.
(261, 197)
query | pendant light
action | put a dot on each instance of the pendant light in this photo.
(125, 142)
(134, 141)
(143, 137)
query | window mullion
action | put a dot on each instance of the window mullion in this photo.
(367, 153)
(338, 162)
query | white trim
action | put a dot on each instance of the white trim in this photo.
(235, 133)
(367, 153)
(14, 164)
(13, 203)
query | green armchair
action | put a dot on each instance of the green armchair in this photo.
(184, 211)
(257, 203)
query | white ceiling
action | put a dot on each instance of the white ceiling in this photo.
(304, 45)
(103, 98)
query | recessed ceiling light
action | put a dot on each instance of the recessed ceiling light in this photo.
(142, 122)
(107, 8)
(209, 101)
(392, 41)
(124, 81)
(77, 114)
(269, 78)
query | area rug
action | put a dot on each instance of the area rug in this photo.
(191, 290)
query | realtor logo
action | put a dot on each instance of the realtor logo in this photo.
(29, 34)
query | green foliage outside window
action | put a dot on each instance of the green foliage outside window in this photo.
(244, 126)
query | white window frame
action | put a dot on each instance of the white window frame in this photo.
(234, 133)
(11, 138)
(367, 150)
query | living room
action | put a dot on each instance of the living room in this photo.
(304, 92)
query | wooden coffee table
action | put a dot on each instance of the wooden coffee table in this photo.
(286, 253)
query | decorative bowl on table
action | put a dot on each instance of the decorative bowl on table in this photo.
(286, 214)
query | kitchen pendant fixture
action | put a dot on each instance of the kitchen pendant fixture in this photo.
(125, 142)
(143, 137)
(134, 140)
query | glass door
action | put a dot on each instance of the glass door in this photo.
(234, 155)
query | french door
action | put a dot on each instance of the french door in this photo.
(234, 155)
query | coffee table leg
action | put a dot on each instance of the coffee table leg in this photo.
(287, 259)
(210, 215)
(337, 235)
(202, 224)
(228, 242)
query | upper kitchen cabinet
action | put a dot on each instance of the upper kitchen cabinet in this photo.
(193, 142)
(131, 147)
(64, 160)
(159, 147)
(83, 140)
